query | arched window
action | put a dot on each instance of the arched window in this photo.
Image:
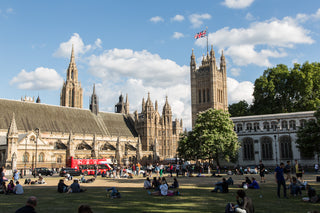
(256, 126)
(248, 151)
(284, 125)
(239, 127)
(249, 126)
(302, 123)
(266, 148)
(292, 124)
(274, 125)
(199, 96)
(266, 126)
(59, 159)
(41, 157)
(25, 157)
(285, 147)
(204, 96)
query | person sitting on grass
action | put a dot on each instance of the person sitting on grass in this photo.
(254, 184)
(147, 184)
(294, 187)
(3, 188)
(41, 180)
(244, 203)
(75, 187)
(246, 183)
(30, 206)
(84, 209)
(10, 187)
(312, 195)
(222, 186)
(62, 187)
(163, 190)
(18, 190)
(114, 192)
(230, 181)
(155, 184)
(175, 184)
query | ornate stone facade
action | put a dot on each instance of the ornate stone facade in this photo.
(208, 84)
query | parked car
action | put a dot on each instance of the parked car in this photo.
(71, 171)
(43, 171)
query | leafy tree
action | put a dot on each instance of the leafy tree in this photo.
(309, 137)
(280, 89)
(239, 109)
(213, 137)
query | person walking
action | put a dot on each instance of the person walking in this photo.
(280, 180)
(177, 169)
(298, 170)
(262, 170)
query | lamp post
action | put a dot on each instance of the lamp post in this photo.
(276, 149)
(35, 164)
(25, 158)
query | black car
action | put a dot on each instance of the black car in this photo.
(71, 171)
(43, 171)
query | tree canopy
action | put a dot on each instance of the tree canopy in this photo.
(213, 137)
(241, 108)
(309, 137)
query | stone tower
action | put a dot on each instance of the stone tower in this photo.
(71, 93)
(94, 102)
(12, 143)
(208, 84)
(121, 106)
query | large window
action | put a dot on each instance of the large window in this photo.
(285, 147)
(256, 126)
(41, 157)
(249, 126)
(274, 125)
(239, 127)
(302, 123)
(266, 126)
(59, 159)
(199, 96)
(248, 150)
(292, 124)
(284, 125)
(266, 148)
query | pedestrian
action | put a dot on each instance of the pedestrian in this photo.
(280, 180)
(177, 169)
(30, 206)
(262, 171)
(298, 169)
(316, 167)
(287, 171)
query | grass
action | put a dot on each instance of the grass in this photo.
(195, 197)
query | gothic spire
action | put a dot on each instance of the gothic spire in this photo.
(13, 130)
(94, 101)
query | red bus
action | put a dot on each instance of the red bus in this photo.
(87, 166)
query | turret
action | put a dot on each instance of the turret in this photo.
(193, 62)
(222, 63)
(126, 105)
(94, 101)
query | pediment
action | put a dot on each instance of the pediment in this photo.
(30, 139)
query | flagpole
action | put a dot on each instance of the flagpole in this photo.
(207, 39)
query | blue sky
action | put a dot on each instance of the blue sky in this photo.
(137, 47)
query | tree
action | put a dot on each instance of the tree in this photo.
(213, 137)
(309, 137)
(281, 90)
(239, 109)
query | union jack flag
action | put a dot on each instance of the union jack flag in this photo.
(201, 34)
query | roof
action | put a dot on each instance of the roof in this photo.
(276, 116)
(51, 118)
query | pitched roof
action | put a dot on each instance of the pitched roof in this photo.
(51, 118)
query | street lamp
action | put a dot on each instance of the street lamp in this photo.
(25, 159)
(35, 164)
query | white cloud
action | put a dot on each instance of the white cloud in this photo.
(249, 17)
(98, 43)
(178, 18)
(235, 71)
(64, 49)
(238, 91)
(197, 19)
(156, 19)
(237, 4)
(259, 42)
(177, 35)
(40, 79)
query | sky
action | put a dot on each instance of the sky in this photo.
(136, 47)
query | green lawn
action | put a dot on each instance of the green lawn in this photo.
(195, 197)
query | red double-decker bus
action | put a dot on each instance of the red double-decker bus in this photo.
(87, 166)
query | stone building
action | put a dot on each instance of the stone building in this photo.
(41, 135)
(271, 138)
(208, 84)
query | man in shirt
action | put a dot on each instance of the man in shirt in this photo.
(29, 207)
(18, 190)
(280, 180)
(287, 171)
(298, 169)
(262, 171)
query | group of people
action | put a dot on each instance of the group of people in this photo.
(11, 188)
(161, 187)
(73, 188)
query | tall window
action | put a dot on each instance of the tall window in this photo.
(199, 96)
(292, 124)
(266, 126)
(204, 95)
(274, 125)
(248, 151)
(249, 126)
(208, 95)
(285, 147)
(302, 123)
(256, 126)
(59, 159)
(41, 157)
(284, 125)
(239, 127)
(266, 148)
